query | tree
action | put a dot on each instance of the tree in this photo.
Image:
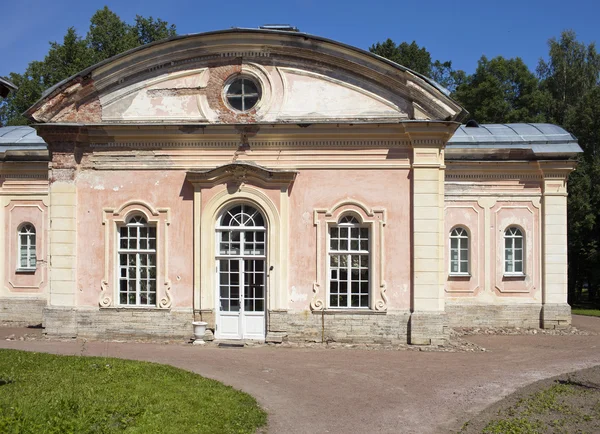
(419, 60)
(501, 90)
(571, 71)
(444, 74)
(148, 30)
(66, 59)
(409, 55)
(108, 36)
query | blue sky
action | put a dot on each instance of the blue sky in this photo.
(457, 31)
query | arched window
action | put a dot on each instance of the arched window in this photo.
(513, 251)
(137, 263)
(348, 264)
(459, 251)
(27, 257)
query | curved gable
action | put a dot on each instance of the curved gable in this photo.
(302, 79)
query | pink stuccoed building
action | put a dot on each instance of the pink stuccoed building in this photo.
(277, 185)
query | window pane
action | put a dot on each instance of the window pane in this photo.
(518, 255)
(518, 243)
(519, 267)
(464, 267)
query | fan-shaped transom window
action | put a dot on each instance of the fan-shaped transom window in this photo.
(348, 220)
(242, 216)
(243, 93)
(241, 231)
(349, 264)
(27, 249)
(459, 251)
(137, 263)
(513, 251)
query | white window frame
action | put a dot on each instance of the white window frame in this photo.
(461, 234)
(27, 230)
(136, 222)
(243, 95)
(348, 222)
(513, 236)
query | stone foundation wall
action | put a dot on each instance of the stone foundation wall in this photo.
(556, 316)
(22, 312)
(118, 323)
(355, 327)
(504, 315)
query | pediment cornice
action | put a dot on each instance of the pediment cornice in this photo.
(242, 172)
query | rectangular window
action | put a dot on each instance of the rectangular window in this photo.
(349, 266)
(137, 263)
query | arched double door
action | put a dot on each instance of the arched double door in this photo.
(241, 257)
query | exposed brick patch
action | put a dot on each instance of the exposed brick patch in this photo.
(76, 103)
(219, 74)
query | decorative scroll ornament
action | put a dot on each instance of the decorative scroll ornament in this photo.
(381, 305)
(105, 300)
(167, 300)
(316, 303)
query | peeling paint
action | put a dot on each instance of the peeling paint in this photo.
(298, 296)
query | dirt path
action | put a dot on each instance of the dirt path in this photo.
(348, 391)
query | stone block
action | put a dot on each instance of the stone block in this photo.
(556, 316)
(22, 311)
(428, 328)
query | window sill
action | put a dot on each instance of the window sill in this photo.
(348, 312)
(137, 308)
(459, 275)
(515, 276)
(25, 270)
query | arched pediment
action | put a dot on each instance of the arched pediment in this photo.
(242, 172)
(301, 79)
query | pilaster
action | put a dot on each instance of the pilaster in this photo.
(65, 155)
(63, 240)
(428, 323)
(556, 313)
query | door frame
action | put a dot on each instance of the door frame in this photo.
(241, 257)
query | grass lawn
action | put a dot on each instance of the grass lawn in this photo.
(583, 311)
(567, 404)
(43, 393)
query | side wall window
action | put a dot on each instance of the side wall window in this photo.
(459, 251)
(513, 251)
(27, 252)
(137, 263)
(348, 264)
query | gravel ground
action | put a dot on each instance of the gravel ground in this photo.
(356, 390)
(568, 403)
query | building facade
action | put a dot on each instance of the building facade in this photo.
(278, 185)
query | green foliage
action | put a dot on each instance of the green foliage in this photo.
(571, 71)
(409, 55)
(501, 90)
(586, 312)
(513, 426)
(60, 394)
(419, 60)
(108, 36)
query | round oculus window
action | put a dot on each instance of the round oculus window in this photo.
(242, 94)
